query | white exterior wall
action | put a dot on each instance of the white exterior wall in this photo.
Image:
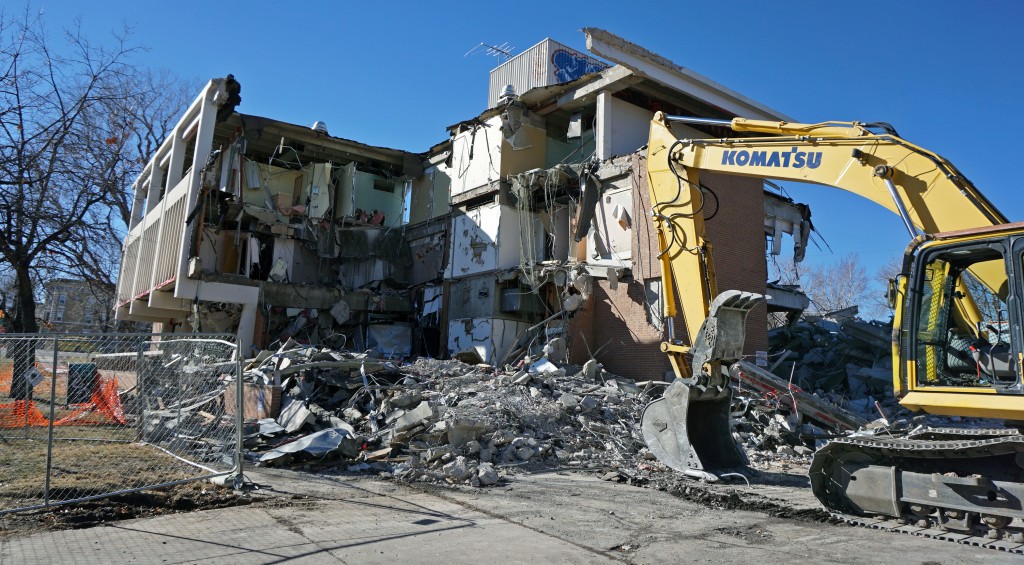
(476, 235)
(628, 127)
(490, 338)
(484, 144)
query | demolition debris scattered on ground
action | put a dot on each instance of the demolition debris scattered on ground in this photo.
(448, 421)
(442, 420)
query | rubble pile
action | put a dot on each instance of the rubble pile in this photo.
(847, 363)
(446, 420)
(443, 420)
(765, 428)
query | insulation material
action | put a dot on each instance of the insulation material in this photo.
(391, 340)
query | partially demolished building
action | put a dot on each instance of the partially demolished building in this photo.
(525, 233)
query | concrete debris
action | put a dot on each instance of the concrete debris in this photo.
(447, 421)
(842, 360)
(444, 421)
(824, 378)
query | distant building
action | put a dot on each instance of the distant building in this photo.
(76, 306)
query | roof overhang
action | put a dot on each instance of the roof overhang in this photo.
(660, 70)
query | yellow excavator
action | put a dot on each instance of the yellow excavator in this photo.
(957, 340)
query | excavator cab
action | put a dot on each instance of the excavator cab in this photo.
(960, 324)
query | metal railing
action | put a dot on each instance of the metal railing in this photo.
(86, 416)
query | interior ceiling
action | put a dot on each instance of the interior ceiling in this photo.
(264, 137)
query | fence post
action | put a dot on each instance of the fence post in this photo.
(143, 402)
(239, 478)
(178, 396)
(49, 431)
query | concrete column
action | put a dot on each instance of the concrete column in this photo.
(246, 329)
(602, 130)
(156, 178)
(137, 201)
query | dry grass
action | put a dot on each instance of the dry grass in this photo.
(82, 468)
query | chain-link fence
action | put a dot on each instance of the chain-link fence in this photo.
(91, 415)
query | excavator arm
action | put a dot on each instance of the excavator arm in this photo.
(924, 189)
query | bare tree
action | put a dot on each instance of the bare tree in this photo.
(136, 117)
(879, 303)
(830, 287)
(48, 182)
(77, 123)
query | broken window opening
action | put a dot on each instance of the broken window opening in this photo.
(384, 186)
(654, 306)
(190, 155)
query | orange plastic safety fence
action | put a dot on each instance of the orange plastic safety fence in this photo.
(13, 415)
(104, 407)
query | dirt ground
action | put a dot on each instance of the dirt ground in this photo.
(181, 498)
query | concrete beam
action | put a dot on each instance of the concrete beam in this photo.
(166, 300)
(290, 295)
(612, 80)
(190, 289)
(782, 299)
(138, 308)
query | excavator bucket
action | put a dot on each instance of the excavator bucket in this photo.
(691, 434)
(688, 427)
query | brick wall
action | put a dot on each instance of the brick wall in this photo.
(616, 320)
(737, 234)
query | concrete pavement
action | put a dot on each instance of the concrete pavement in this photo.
(548, 518)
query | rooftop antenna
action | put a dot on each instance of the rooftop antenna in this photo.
(504, 50)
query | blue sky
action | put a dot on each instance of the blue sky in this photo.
(947, 74)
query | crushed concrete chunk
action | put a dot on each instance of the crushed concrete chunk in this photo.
(459, 469)
(569, 401)
(486, 474)
(415, 417)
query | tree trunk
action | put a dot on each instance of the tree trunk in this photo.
(24, 351)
